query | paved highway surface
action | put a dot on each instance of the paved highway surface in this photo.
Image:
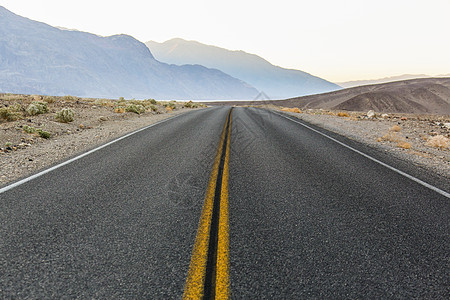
(247, 204)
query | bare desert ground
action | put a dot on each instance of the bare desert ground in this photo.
(25, 148)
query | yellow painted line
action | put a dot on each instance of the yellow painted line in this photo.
(223, 253)
(194, 287)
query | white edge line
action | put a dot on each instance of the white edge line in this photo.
(431, 187)
(20, 182)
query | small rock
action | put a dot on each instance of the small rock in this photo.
(446, 125)
(370, 114)
(384, 116)
(102, 118)
(403, 118)
(81, 126)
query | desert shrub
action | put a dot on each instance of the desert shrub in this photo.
(395, 128)
(119, 109)
(136, 108)
(40, 132)
(43, 134)
(70, 98)
(9, 114)
(29, 129)
(343, 114)
(37, 108)
(153, 108)
(190, 104)
(293, 109)
(439, 141)
(65, 115)
(391, 136)
(121, 99)
(171, 105)
(49, 99)
(403, 145)
(152, 101)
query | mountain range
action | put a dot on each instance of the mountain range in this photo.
(36, 58)
(272, 81)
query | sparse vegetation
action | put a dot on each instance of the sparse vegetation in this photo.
(119, 109)
(49, 99)
(392, 135)
(29, 129)
(136, 108)
(190, 104)
(343, 114)
(403, 145)
(65, 115)
(171, 105)
(10, 113)
(153, 107)
(439, 141)
(37, 108)
(293, 109)
(70, 98)
(40, 132)
(43, 134)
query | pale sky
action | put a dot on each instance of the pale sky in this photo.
(336, 40)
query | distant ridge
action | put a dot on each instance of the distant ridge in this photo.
(419, 96)
(276, 82)
(427, 95)
(355, 83)
(36, 58)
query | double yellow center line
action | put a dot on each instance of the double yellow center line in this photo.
(208, 275)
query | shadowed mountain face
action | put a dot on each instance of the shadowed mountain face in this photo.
(36, 58)
(428, 95)
(275, 82)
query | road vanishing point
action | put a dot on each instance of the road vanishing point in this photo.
(220, 203)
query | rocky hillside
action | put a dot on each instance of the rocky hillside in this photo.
(275, 82)
(36, 58)
(418, 96)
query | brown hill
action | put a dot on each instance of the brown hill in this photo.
(427, 95)
(421, 96)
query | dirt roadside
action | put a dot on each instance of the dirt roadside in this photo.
(95, 122)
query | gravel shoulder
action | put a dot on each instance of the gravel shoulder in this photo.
(410, 137)
(95, 123)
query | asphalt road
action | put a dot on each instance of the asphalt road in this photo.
(308, 217)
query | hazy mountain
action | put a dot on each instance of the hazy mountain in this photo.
(348, 84)
(275, 82)
(38, 58)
